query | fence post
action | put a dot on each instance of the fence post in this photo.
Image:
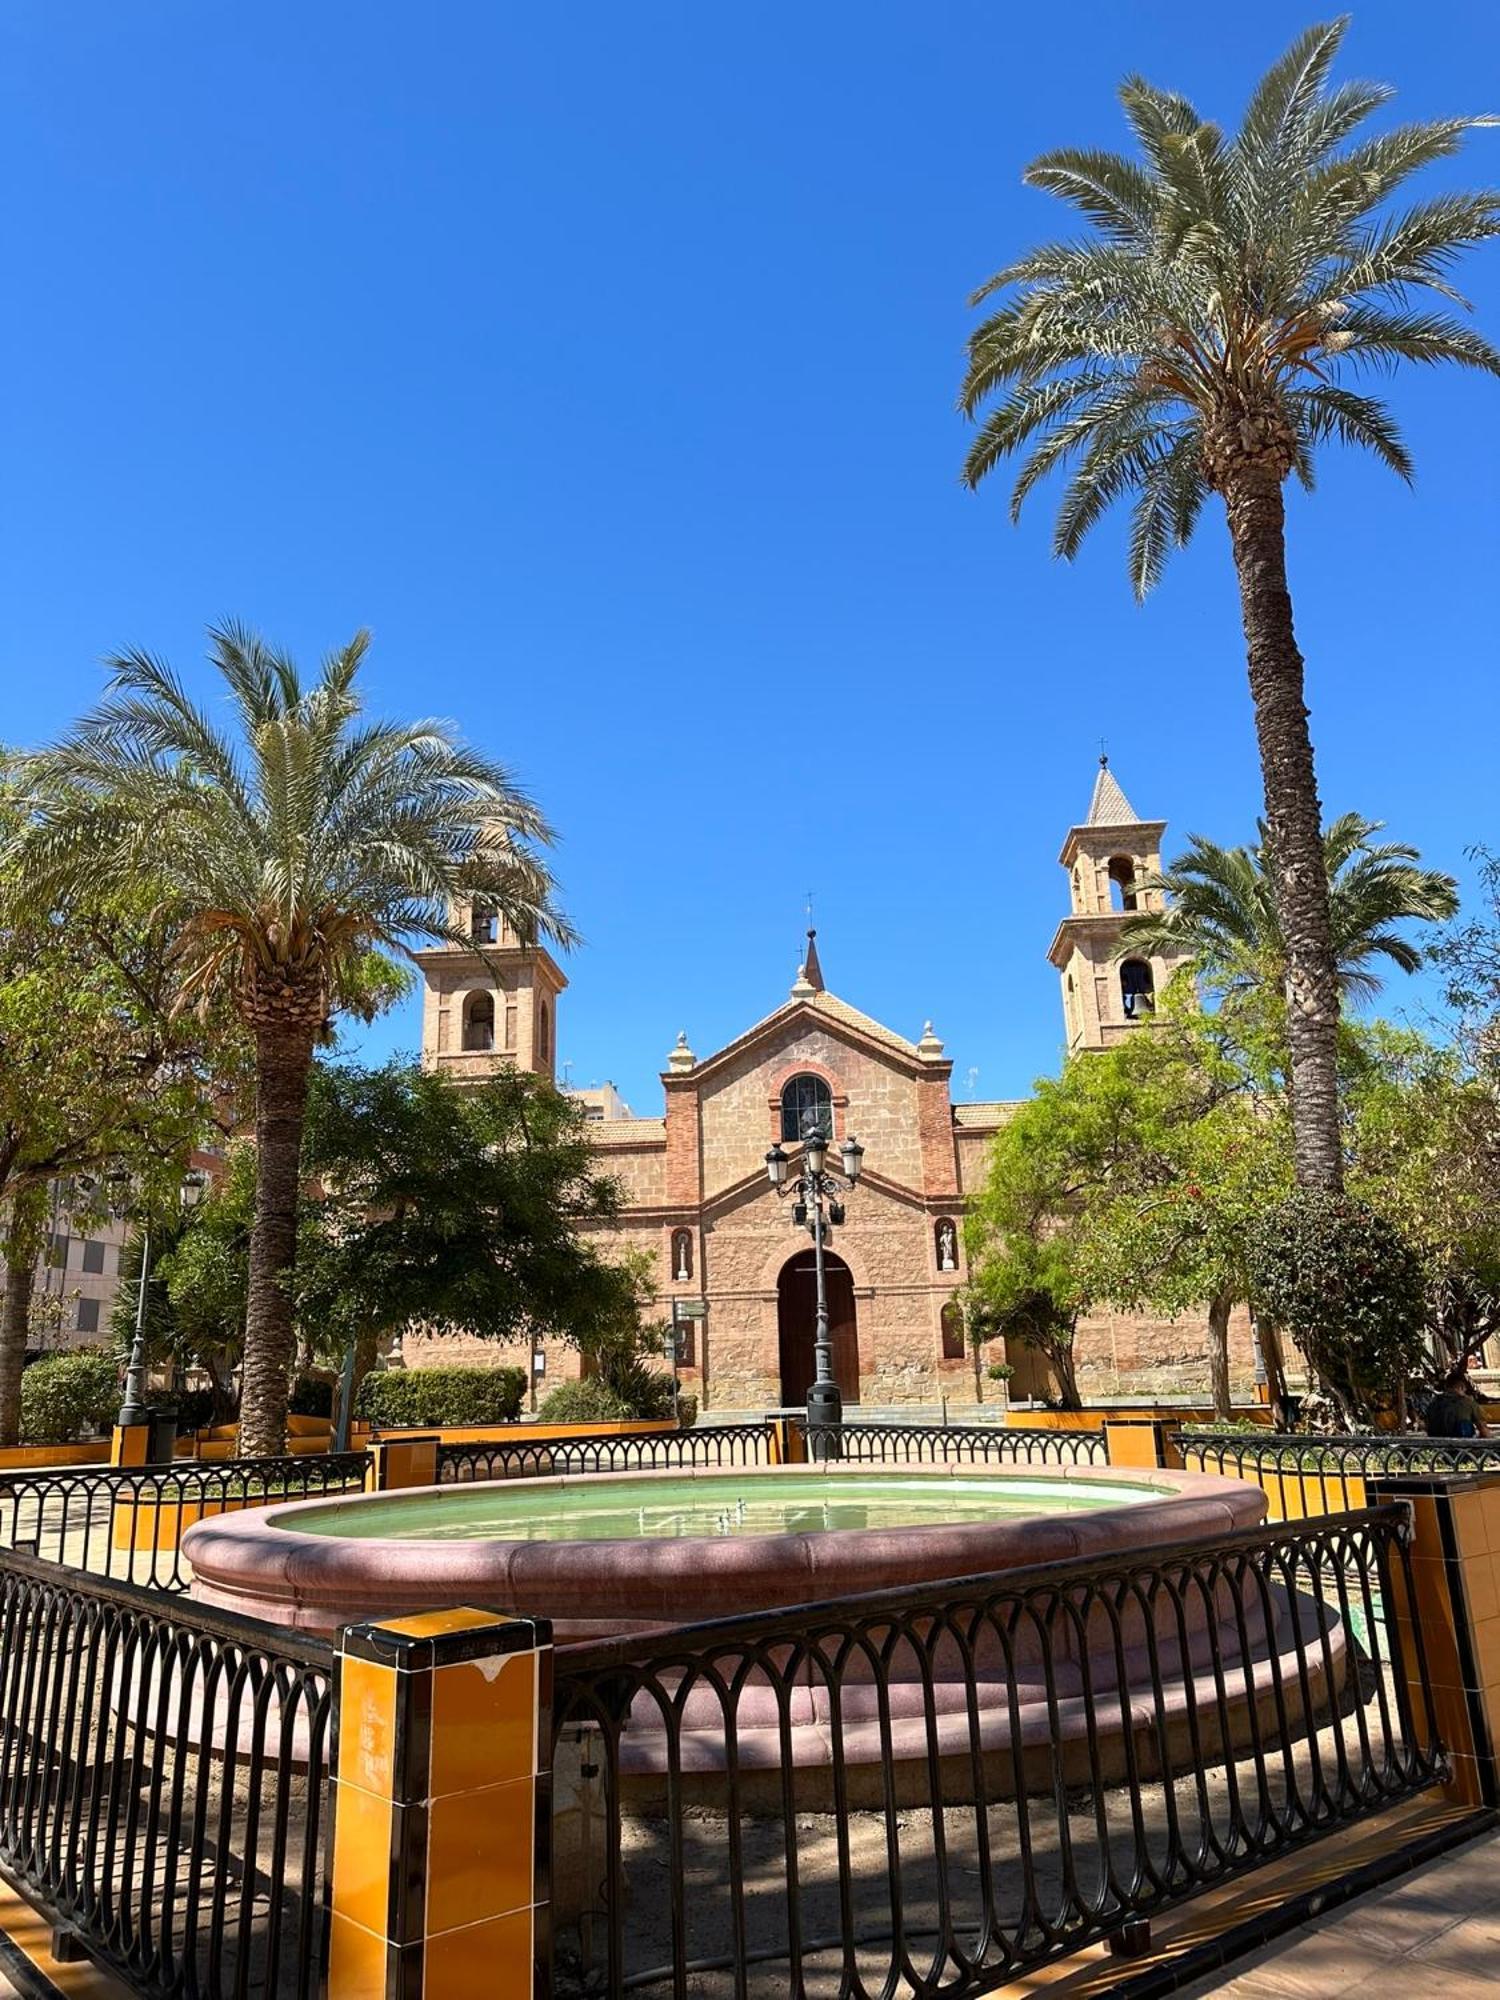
(1455, 1572)
(398, 1462)
(1140, 1441)
(439, 1877)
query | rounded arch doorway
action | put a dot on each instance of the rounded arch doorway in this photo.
(797, 1319)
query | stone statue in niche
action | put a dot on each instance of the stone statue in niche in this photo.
(684, 1257)
(947, 1239)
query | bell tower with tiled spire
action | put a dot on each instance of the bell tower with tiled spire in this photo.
(1109, 858)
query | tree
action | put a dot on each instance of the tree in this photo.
(294, 856)
(1220, 909)
(96, 1076)
(1199, 343)
(1148, 1160)
(435, 1205)
(1424, 1148)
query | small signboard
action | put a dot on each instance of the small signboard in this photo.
(690, 1308)
(538, 1362)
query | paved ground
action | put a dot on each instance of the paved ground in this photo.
(1435, 1932)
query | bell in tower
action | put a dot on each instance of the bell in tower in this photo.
(1110, 858)
(489, 1002)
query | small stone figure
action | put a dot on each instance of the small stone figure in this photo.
(947, 1247)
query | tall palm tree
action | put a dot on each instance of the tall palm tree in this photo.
(1197, 343)
(297, 852)
(1221, 910)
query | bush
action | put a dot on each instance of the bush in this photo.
(687, 1410)
(310, 1397)
(400, 1397)
(583, 1403)
(1000, 1371)
(68, 1396)
(1347, 1286)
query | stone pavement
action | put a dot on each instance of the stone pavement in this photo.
(1435, 1932)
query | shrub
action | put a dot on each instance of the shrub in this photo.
(687, 1410)
(67, 1396)
(1347, 1286)
(310, 1397)
(1000, 1371)
(400, 1397)
(583, 1403)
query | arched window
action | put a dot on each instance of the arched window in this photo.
(1137, 989)
(1077, 890)
(801, 1095)
(479, 1021)
(945, 1243)
(484, 924)
(953, 1331)
(543, 1033)
(1122, 882)
(682, 1256)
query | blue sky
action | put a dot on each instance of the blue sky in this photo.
(602, 361)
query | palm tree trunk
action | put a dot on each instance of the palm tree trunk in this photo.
(23, 1246)
(283, 1064)
(1257, 527)
(1220, 1306)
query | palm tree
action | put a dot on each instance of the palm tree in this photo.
(1198, 343)
(1221, 910)
(295, 853)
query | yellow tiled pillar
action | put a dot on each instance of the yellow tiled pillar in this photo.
(1137, 1441)
(438, 1885)
(398, 1462)
(130, 1444)
(1455, 1561)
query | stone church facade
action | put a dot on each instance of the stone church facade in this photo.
(697, 1196)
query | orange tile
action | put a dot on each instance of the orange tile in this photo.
(1486, 1633)
(480, 1853)
(435, 1624)
(492, 1958)
(367, 1725)
(1469, 1521)
(483, 1723)
(361, 1888)
(1481, 1588)
(356, 1962)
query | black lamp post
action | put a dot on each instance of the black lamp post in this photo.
(817, 1211)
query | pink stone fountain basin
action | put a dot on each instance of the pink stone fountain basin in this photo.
(605, 1553)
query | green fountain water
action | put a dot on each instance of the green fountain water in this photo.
(709, 1505)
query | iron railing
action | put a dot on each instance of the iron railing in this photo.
(1275, 1459)
(936, 1791)
(641, 1451)
(125, 1522)
(162, 1776)
(928, 1444)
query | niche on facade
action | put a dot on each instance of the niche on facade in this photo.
(953, 1331)
(945, 1242)
(1137, 989)
(479, 1021)
(1122, 883)
(682, 1256)
(543, 1034)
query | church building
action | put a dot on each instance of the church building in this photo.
(698, 1199)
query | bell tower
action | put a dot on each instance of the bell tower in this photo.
(1110, 858)
(490, 1004)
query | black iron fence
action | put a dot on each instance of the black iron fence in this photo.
(125, 1522)
(754, 1444)
(937, 1790)
(1337, 1466)
(928, 1444)
(162, 1776)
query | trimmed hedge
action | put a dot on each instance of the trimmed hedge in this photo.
(583, 1403)
(66, 1397)
(397, 1398)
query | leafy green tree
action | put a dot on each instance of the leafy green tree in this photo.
(438, 1205)
(1424, 1147)
(295, 855)
(99, 1073)
(1220, 909)
(1131, 1179)
(1198, 343)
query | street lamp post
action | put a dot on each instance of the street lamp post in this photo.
(134, 1410)
(818, 1211)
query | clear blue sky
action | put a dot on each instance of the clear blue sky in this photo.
(602, 360)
